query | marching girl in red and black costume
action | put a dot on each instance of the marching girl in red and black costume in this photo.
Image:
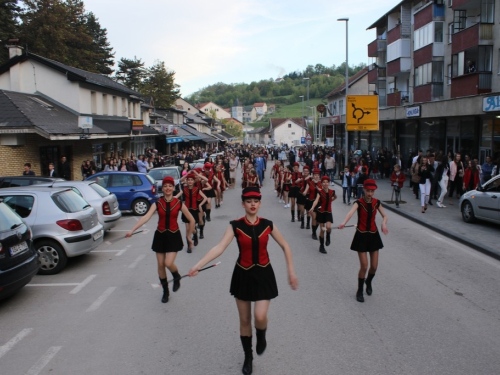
(294, 189)
(367, 237)
(253, 277)
(221, 184)
(209, 181)
(244, 178)
(301, 197)
(309, 193)
(167, 240)
(324, 215)
(275, 173)
(252, 179)
(286, 184)
(194, 200)
(312, 191)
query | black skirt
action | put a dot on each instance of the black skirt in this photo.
(255, 284)
(301, 199)
(324, 217)
(366, 242)
(194, 213)
(167, 242)
(209, 193)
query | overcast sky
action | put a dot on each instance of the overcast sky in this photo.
(209, 41)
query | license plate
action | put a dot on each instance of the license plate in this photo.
(97, 235)
(16, 249)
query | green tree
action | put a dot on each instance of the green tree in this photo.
(160, 84)
(232, 128)
(9, 11)
(100, 46)
(131, 72)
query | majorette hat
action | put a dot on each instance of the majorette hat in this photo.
(191, 175)
(316, 171)
(370, 184)
(208, 166)
(251, 192)
(296, 164)
(306, 167)
(168, 180)
(325, 178)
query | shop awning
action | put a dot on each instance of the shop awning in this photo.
(188, 138)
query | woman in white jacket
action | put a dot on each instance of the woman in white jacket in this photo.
(456, 176)
(443, 176)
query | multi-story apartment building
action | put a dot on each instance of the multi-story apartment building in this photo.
(436, 70)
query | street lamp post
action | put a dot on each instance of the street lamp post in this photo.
(307, 79)
(346, 20)
(302, 96)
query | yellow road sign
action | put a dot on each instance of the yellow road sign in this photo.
(362, 112)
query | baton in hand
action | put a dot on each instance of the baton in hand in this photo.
(203, 269)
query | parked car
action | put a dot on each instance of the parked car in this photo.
(104, 202)
(482, 203)
(200, 163)
(135, 191)
(18, 258)
(16, 181)
(158, 174)
(63, 224)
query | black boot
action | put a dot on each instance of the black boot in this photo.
(359, 293)
(246, 342)
(189, 250)
(261, 341)
(195, 238)
(177, 281)
(166, 293)
(369, 279)
(327, 239)
(308, 226)
(302, 222)
(293, 216)
(201, 232)
(314, 228)
(208, 213)
(322, 249)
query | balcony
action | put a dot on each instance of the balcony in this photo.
(397, 98)
(378, 45)
(459, 4)
(471, 37)
(471, 84)
(399, 67)
(375, 74)
(394, 34)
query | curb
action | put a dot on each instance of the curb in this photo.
(482, 249)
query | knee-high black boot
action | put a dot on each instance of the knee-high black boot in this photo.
(321, 245)
(166, 293)
(189, 250)
(302, 222)
(246, 342)
(207, 211)
(201, 232)
(293, 215)
(261, 345)
(369, 283)
(359, 293)
(177, 281)
(327, 239)
(308, 226)
(314, 228)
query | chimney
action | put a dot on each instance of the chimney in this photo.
(14, 49)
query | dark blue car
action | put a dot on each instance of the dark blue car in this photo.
(135, 191)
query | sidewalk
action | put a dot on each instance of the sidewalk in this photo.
(482, 236)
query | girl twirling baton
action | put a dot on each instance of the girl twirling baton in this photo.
(253, 277)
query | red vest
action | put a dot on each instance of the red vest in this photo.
(366, 215)
(325, 200)
(167, 214)
(252, 241)
(311, 194)
(191, 196)
(295, 177)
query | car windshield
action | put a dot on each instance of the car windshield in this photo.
(100, 190)
(150, 179)
(8, 218)
(69, 201)
(160, 174)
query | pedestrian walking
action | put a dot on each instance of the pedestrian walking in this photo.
(442, 175)
(64, 169)
(424, 173)
(398, 179)
(167, 240)
(367, 238)
(457, 172)
(27, 170)
(253, 277)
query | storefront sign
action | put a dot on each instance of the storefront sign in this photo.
(491, 104)
(85, 122)
(413, 111)
(137, 124)
(329, 131)
(174, 140)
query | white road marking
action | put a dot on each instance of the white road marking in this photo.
(55, 284)
(99, 301)
(136, 262)
(121, 252)
(83, 284)
(10, 344)
(107, 243)
(155, 285)
(44, 360)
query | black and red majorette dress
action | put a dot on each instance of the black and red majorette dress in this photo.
(253, 276)
(168, 238)
(324, 213)
(367, 238)
(210, 193)
(191, 198)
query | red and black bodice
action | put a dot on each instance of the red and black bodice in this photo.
(191, 197)
(311, 193)
(252, 241)
(325, 200)
(295, 177)
(167, 214)
(366, 215)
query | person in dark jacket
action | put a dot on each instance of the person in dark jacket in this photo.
(65, 169)
(424, 173)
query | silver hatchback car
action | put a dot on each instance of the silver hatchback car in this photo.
(104, 202)
(482, 203)
(62, 222)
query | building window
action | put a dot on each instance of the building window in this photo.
(438, 32)
(423, 74)
(484, 60)
(450, 32)
(124, 107)
(459, 20)
(115, 106)
(93, 103)
(499, 61)
(487, 11)
(289, 125)
(437, 71)
(293, 133)
(104, 104)
(341, 107)
(449, 75)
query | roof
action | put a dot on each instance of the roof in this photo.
(261, 130)
(259, 104)
(73, 74)
(204, 137)
(248, 108)
(352, 80)
(201, 105)
(275, 122)
(382, 21)
(195, 119)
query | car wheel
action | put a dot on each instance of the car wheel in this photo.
(140, 207)
(468, 212)
(52, 257)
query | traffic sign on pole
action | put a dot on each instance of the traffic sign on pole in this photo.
(362, 112)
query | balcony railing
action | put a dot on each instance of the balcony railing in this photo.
(397, 98)
(471, 84)
(378, 45)
(470, 37)
(394, 34)
(376, 74)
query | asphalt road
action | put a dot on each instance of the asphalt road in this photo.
(434, 308)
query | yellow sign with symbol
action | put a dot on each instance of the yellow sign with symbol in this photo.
(362, 113)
